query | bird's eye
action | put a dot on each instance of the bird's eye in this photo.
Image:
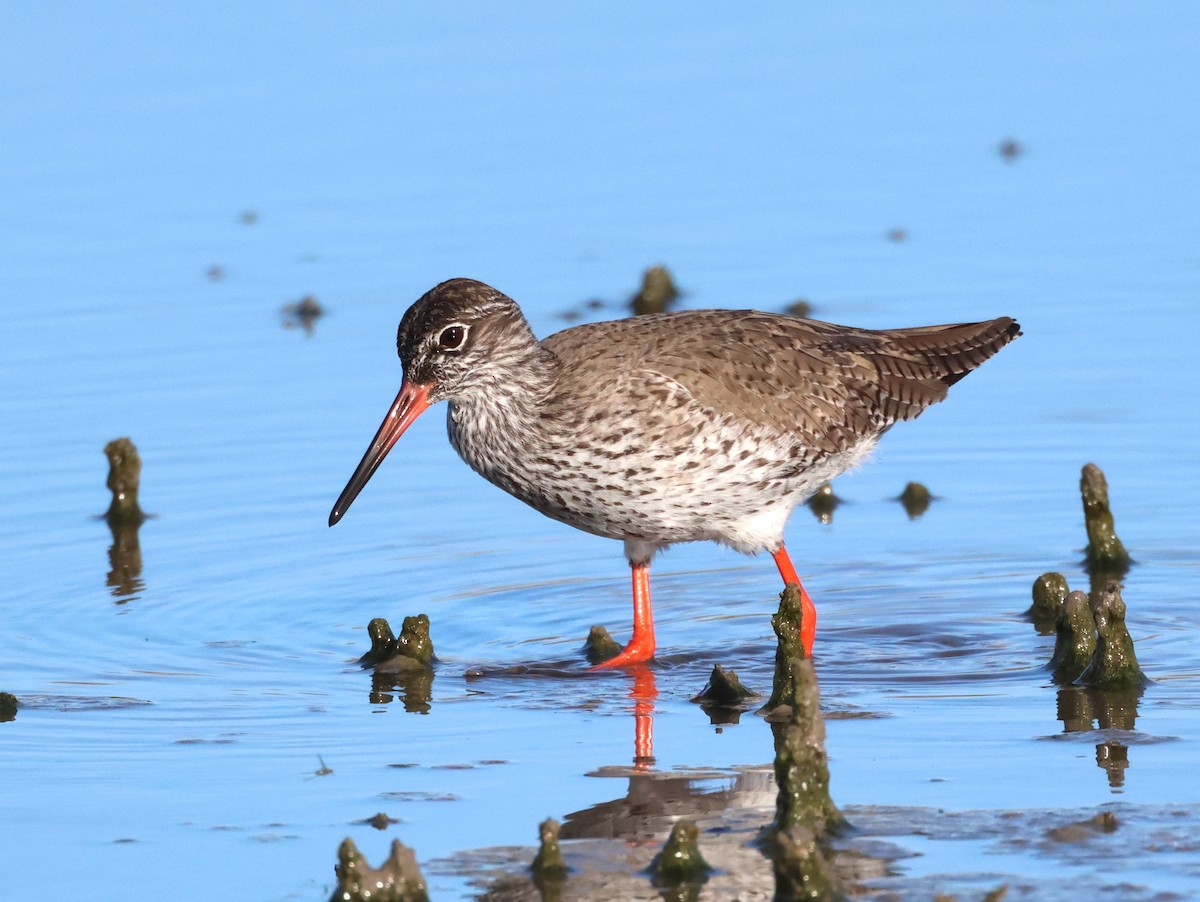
(452, 337)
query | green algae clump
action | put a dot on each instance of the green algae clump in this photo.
(916, 499)
(414, 642)
(1114, 663)
(823, 503)
(124, 479)
(397, 880)
(803, 868)
(1075, 638)
(549, 870)
(723, 689)
(680, 861)
(1049, 593)
(786, 622)
(412, 650)
(600, 646)
(657, 293)
(1104, 550)
(383, 642)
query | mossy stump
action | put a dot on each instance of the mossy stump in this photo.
(124, 481)
(1075, 638)
(657, 293)
(1049, 592)
(1104, 550)
(1114, 663)
(398, 879)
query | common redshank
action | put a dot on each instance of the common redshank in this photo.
(674, 427)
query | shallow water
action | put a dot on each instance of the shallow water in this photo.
(176, 722)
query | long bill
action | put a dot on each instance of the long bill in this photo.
(410, 403)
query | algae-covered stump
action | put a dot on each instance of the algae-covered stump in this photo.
(1114, 663)
(549, 859)
(657, 293)
(412, 650)
(723, 689)
(1104, 551)
(916, 499)
(680, 860)
(1049, 592)
(1075, 638)
(600, 646)
(823, 503)
(124, 480)
(397, 880)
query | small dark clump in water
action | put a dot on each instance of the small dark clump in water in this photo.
(897, 235)
(1049, 592)
(1114, 664)
(680, 860)
(379, 821)
(411, 650)
(916, 499)
(824, 503)
(600, 646)
(124, 480)
(383, 642)
(8, 706)
(1104, 551)
(1010, 149)
(304, 313)
(1081, 831)
(799, 308)
(549, 859)
(1075, 638)
(397, 880)
(723, 688)
(657, 293)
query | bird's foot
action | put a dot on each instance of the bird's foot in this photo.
(638, 651)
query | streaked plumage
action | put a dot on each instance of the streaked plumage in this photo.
(676, 427)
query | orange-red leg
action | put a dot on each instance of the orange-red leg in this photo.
(641, 646)
(808, 610)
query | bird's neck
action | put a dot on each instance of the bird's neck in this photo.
(503, 405)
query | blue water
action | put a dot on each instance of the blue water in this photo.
(360, 155)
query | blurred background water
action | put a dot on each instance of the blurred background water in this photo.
(173, 176)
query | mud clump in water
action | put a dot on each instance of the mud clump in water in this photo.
(1049, 593)
(723, 697)
(799, 308)
(411, 650)
(124, 480)
(1075, 638)
(1104, 551)
(304, 314)
(600, 646)
(680, 866)
(549, 859)
(916, 499)
(397, 880)
(1114, 663)
(8, 706)
(657, 293)
(824, 503)
(383, 642)
(1082, 831)
(723, 689)
(403, 663)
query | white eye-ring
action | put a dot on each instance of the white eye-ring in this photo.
(453, 337)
